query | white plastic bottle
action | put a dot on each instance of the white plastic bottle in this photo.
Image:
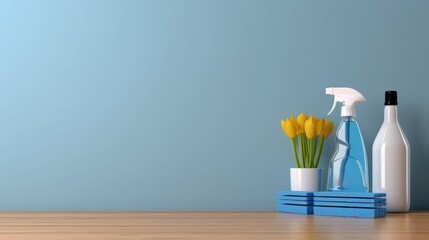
(391, 159)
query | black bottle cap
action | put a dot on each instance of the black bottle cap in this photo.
(391, 98)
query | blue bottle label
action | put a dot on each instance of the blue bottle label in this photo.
(348, 168)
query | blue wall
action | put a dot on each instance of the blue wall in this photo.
(160, 105)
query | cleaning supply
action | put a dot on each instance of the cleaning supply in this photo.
(298, 209)
(377, 212)
(348, 169)
(298, 202)
(349, 204)
(391, 159)
(355, 200)
(349, 195)
(338, 199)
(344, 204)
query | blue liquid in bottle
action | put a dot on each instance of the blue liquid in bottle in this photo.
(348, 169)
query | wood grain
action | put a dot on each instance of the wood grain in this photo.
(207, 225)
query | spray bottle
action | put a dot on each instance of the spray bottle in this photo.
(348, 169)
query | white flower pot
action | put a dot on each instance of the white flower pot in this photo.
(308, 179)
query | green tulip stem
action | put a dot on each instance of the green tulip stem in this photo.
(316, 139)
(310, 149)
(308, 152)
(295, 154)
(301, 148)
(305, 150)
(320, 151)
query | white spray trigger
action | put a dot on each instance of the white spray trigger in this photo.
(336, 99)
(333, 107)
(348, 97)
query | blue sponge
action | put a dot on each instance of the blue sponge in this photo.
(350, 204)
(282, 198)
(356, 200)
(349, 194)
(295, 209)
(345, 204)
(295, 202)
(350, 212)
(295, 193)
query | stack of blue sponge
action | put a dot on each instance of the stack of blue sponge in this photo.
(295, 202)
(345, 204)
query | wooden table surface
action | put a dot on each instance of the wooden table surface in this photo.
(207, 225)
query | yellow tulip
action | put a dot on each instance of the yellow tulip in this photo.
(294, 122)
(310, 128)
(315, 121)
(301, 123)
(283, 124)
(320, 127)
(327, 128)
(288, 128)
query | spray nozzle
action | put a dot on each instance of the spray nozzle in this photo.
(333, 105)
(348, 97)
